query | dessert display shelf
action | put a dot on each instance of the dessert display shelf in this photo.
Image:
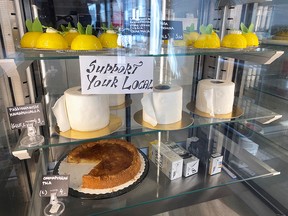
(268, 55)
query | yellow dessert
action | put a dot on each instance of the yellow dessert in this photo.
(249, 34)
(207, 39)
(30, 38)
(234, 39)
(85, 40)
(189, 37)
(108, 39)
(69, 33)
(51, 40)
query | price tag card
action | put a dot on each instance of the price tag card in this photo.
(172, 29)
(20, 116)
(58, 184)
(140, 26)
(116, 74)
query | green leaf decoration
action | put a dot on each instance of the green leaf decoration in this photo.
(251, 28)
(69, 26)
(29, 25)
(80, 28)
(206, 29)
(63, 28)
(66, 29)
(37, 26)
(190, 28)
(89, 30)
(203, 29)
(244, 29)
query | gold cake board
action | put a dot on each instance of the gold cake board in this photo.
(185, 122)
(115, 123)
(236, 112)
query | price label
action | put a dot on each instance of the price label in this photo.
(20, 116)
(58, 184)
(172, 29)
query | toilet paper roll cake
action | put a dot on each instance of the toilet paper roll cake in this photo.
(84, 112)
(163, 105)
(116, 99)
(215, 97)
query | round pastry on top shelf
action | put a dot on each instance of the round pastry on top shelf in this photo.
(207, 39)
(30, 38)
(86, 40)
(234, 39)
(51, 40)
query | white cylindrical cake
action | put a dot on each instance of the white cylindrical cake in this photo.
(163, 105)
(215, 97)
(116, 99)
(86, 112)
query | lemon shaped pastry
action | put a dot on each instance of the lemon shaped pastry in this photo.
(30, 38)
(248, 33)
(70, 36)
(51, 40)
(207, 39)
(235, 39)
(109, 39)
(86, 40)
(190, 38)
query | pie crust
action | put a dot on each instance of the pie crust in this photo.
(116, 162)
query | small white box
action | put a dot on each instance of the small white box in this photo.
(215, 163)
(170, 163)
(190, 162)
(190, 166)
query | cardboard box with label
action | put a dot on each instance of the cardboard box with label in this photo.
(215, 163)
(190, 162)
(170, 163)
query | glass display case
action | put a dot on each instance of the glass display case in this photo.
(161, 46)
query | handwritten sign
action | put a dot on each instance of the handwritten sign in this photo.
(58, 184)
(116, 74)
(20, 116)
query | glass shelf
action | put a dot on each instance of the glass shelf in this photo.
(259, 54)
(156, 187)
(249, 109)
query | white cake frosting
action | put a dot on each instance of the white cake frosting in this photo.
(163, 105)
(215, 96)
(84, 112)
(116, 99)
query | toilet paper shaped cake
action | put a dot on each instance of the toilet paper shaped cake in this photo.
(81, 112)
(215, 97)
(163, 105)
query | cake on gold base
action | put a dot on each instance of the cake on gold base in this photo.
(116, 162)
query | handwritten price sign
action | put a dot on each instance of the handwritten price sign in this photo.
(116, 74)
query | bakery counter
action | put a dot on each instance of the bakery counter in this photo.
(156, 188)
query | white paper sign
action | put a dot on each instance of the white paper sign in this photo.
(116, 74)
